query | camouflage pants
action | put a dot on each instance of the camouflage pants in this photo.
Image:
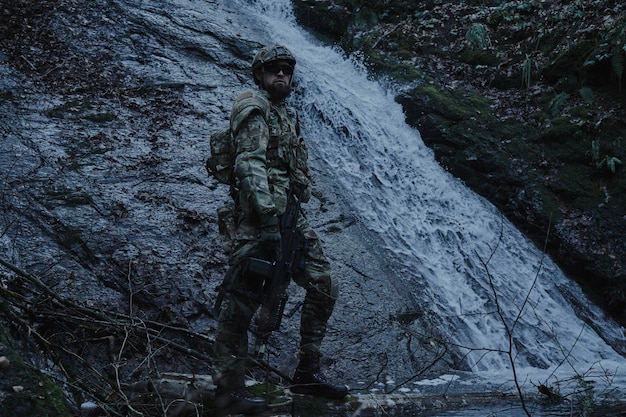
(231, 342)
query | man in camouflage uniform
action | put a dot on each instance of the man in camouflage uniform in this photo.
(269, 156)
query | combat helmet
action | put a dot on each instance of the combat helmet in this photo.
(271, 53)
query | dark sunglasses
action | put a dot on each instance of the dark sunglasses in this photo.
(274, 68)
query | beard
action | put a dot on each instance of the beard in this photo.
(277, 91)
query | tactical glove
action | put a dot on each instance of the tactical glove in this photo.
(270, 230)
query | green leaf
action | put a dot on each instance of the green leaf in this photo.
(586, 94)
(611, 162)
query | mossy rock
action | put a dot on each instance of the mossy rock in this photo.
(480, 57)
(570, 62)
(25, 391)
(549, 205)
(391, 65)
(455, 105)
(560, 131)
(328, 20)
(576, 185)
(274, 395)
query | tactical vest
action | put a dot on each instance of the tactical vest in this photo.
(282, 142)
(286, 152)
(282, 124)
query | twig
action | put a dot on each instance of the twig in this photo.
(422, 371)
(33, 67)
(263, 364)
(41, 305)
(389, 32)
(507, 328)
(380, 372)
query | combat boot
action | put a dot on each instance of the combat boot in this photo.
(239, 401)
(309, 379)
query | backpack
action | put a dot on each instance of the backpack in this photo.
(220, 163)
(222, 143)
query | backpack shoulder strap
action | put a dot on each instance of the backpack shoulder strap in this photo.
(247, 103)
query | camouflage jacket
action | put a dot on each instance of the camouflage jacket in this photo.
(269, 154)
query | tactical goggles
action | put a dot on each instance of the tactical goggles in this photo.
(275, 68)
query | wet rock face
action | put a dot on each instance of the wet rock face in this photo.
(106, 109)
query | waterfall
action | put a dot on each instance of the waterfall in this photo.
(480, 271)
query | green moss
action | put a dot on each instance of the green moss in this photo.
(549, 204)
(39, 397)
(393, 66)
(561, 130)
(25, 391)
(404, 72)
(51, 399)
(581, 112)
(273, 394)
(574, 56)
(480, 57)
(457, 105)
(576, 184)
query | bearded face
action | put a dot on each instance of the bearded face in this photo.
(275, 78)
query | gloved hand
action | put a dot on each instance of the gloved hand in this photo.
(270, 230)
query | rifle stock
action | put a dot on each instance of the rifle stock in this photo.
(278, 273)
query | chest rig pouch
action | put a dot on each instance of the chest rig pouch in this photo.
(283, 140)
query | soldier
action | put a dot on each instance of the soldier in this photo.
(269, 156)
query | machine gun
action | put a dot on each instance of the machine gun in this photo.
(277, 274)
